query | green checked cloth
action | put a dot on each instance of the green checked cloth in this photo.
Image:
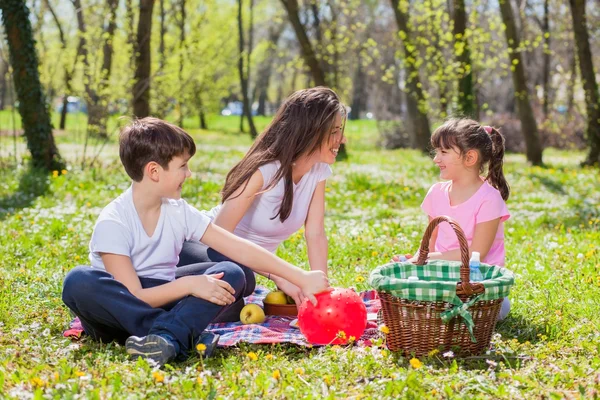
(437, 282)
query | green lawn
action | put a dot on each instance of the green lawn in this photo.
(549, 346)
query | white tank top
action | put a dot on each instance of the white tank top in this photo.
(258, 225)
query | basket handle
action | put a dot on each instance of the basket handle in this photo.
(464, 286)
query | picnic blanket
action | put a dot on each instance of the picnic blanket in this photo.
(275, 329)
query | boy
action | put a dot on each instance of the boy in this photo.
(131, 291)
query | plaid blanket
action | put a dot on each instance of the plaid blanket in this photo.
(274, 330)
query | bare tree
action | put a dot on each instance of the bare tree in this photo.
(97, 99)
(266, 67)
(32, 102)
(308, 51)
(528, 123)
(415, 99)
(588, 77)
(141, 87)
(466, 98)
(242, 72)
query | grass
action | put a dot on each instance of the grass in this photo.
(549, 346)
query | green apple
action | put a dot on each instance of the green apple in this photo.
(289, 299)
(252, 314)
(276, 297)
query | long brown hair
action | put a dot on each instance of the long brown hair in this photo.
(302, 123)
(466, 134)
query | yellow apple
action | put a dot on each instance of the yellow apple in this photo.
(252, 314)
(276, 297)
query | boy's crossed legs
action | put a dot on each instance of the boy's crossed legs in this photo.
(108, 311)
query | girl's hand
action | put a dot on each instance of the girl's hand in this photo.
(291, 290)
(211, 288)
(314, 282)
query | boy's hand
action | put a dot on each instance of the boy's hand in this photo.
(211, 288)
(314, 282)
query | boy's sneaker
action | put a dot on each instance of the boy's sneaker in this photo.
(206, 344)
(154, 347)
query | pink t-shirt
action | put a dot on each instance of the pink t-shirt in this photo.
(485, 205)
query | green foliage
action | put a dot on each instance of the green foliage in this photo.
(548, 346)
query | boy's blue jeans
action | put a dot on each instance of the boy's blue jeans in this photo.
(108, 311)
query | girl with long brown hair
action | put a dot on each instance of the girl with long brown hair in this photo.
(279, 185)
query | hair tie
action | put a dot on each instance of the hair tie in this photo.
(488, 129)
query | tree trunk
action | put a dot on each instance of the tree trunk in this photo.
(3, 82)
(415, 100)
(588, 77)
(32, 103)
(141, 88)
(266, 68)
(547, 53)
(181, 60)
(243, 79)
(106, 70)
(572, 84)
(68, 74)
(308, 52)
(528, 123)
(129, 31)
(359, 94)
(466, 99)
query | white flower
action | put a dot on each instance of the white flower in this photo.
(448, 354)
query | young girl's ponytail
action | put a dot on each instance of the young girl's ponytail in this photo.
(495, 173)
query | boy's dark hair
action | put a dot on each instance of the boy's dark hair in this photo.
(465, 134)
(152, 139)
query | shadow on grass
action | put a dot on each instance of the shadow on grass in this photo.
(33, 183)
(552, 185)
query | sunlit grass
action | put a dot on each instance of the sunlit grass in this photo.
(548, 347)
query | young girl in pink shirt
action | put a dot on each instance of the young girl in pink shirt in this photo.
(463, 149)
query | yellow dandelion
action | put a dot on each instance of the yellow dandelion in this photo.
(79, 373)
(327, 380)
(352, 339)
(158, 377)
(77, 258)
(88, 204)
(56, 376)
(384, 329)
(276, 374)
(199, 380)
(201, 347)
(55, 174)
(415, 363)
(64, 172)
(299, 371)
(252, 355)
(433, 352)
(38, 382)
(341, 335)
(359, 278)
(269, 356)
(374, 254)
(384, 353)
(433, 392)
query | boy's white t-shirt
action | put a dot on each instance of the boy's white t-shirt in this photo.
(258, 225)
(119, 230)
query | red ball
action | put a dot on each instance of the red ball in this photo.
(339, 314)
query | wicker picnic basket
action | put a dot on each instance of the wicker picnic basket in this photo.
(441, 310)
